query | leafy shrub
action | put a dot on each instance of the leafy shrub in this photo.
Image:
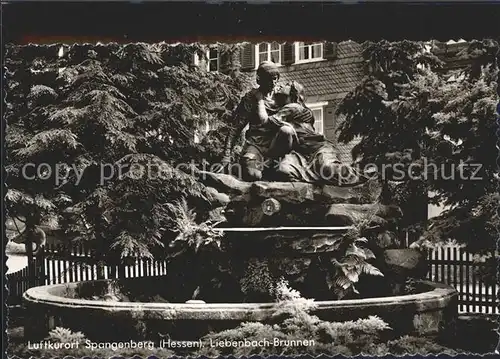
(293, 324)
(416, 345)
(414, 109)
(191, 235)
(64, 335)
(351, 260)
(354, 260)
(352, 265)
(257, 282)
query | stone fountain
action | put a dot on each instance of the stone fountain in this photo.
(296, 227)
(297, 232)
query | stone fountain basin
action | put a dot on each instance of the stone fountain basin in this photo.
(429, 313)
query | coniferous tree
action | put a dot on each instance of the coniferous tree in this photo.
(439, 130)
(392, 110)
(98, 113)
(466, 148)
(32, 147)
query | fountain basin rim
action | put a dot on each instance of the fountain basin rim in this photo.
(438, 297)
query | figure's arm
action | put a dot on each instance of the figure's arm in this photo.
(262, 112)
(281, 118)
(284, 118)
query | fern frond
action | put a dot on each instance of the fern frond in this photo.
(354, 250)
(368, 253)
(43, 203)
(90, 72)
(130, 246)
(371, 270)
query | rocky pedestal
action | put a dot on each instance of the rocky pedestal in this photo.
(273, 204)
(299, 232)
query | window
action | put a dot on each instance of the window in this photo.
(317, 109)
(267, 51)
(318, 119)
(212, 59)
(308, 51)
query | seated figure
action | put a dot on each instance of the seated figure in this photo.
(258, 137)
(303, 154)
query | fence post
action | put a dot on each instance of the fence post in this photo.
(100, 269)
(121, 270)
(40, 268)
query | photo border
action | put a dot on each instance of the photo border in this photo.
(70, 22)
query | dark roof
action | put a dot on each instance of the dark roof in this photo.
(452, 55)
(329, 79)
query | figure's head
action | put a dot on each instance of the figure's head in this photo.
(290, 92)
(282, 95)
(267, 75)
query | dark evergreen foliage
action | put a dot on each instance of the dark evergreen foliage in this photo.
(409, 111)
(108, 111)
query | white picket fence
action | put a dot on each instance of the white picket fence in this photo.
(452, 265)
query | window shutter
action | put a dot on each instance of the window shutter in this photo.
(329, 122)
(329, 50)
(224, 58)
(201, 61)
(248, 57)
(288, 53)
